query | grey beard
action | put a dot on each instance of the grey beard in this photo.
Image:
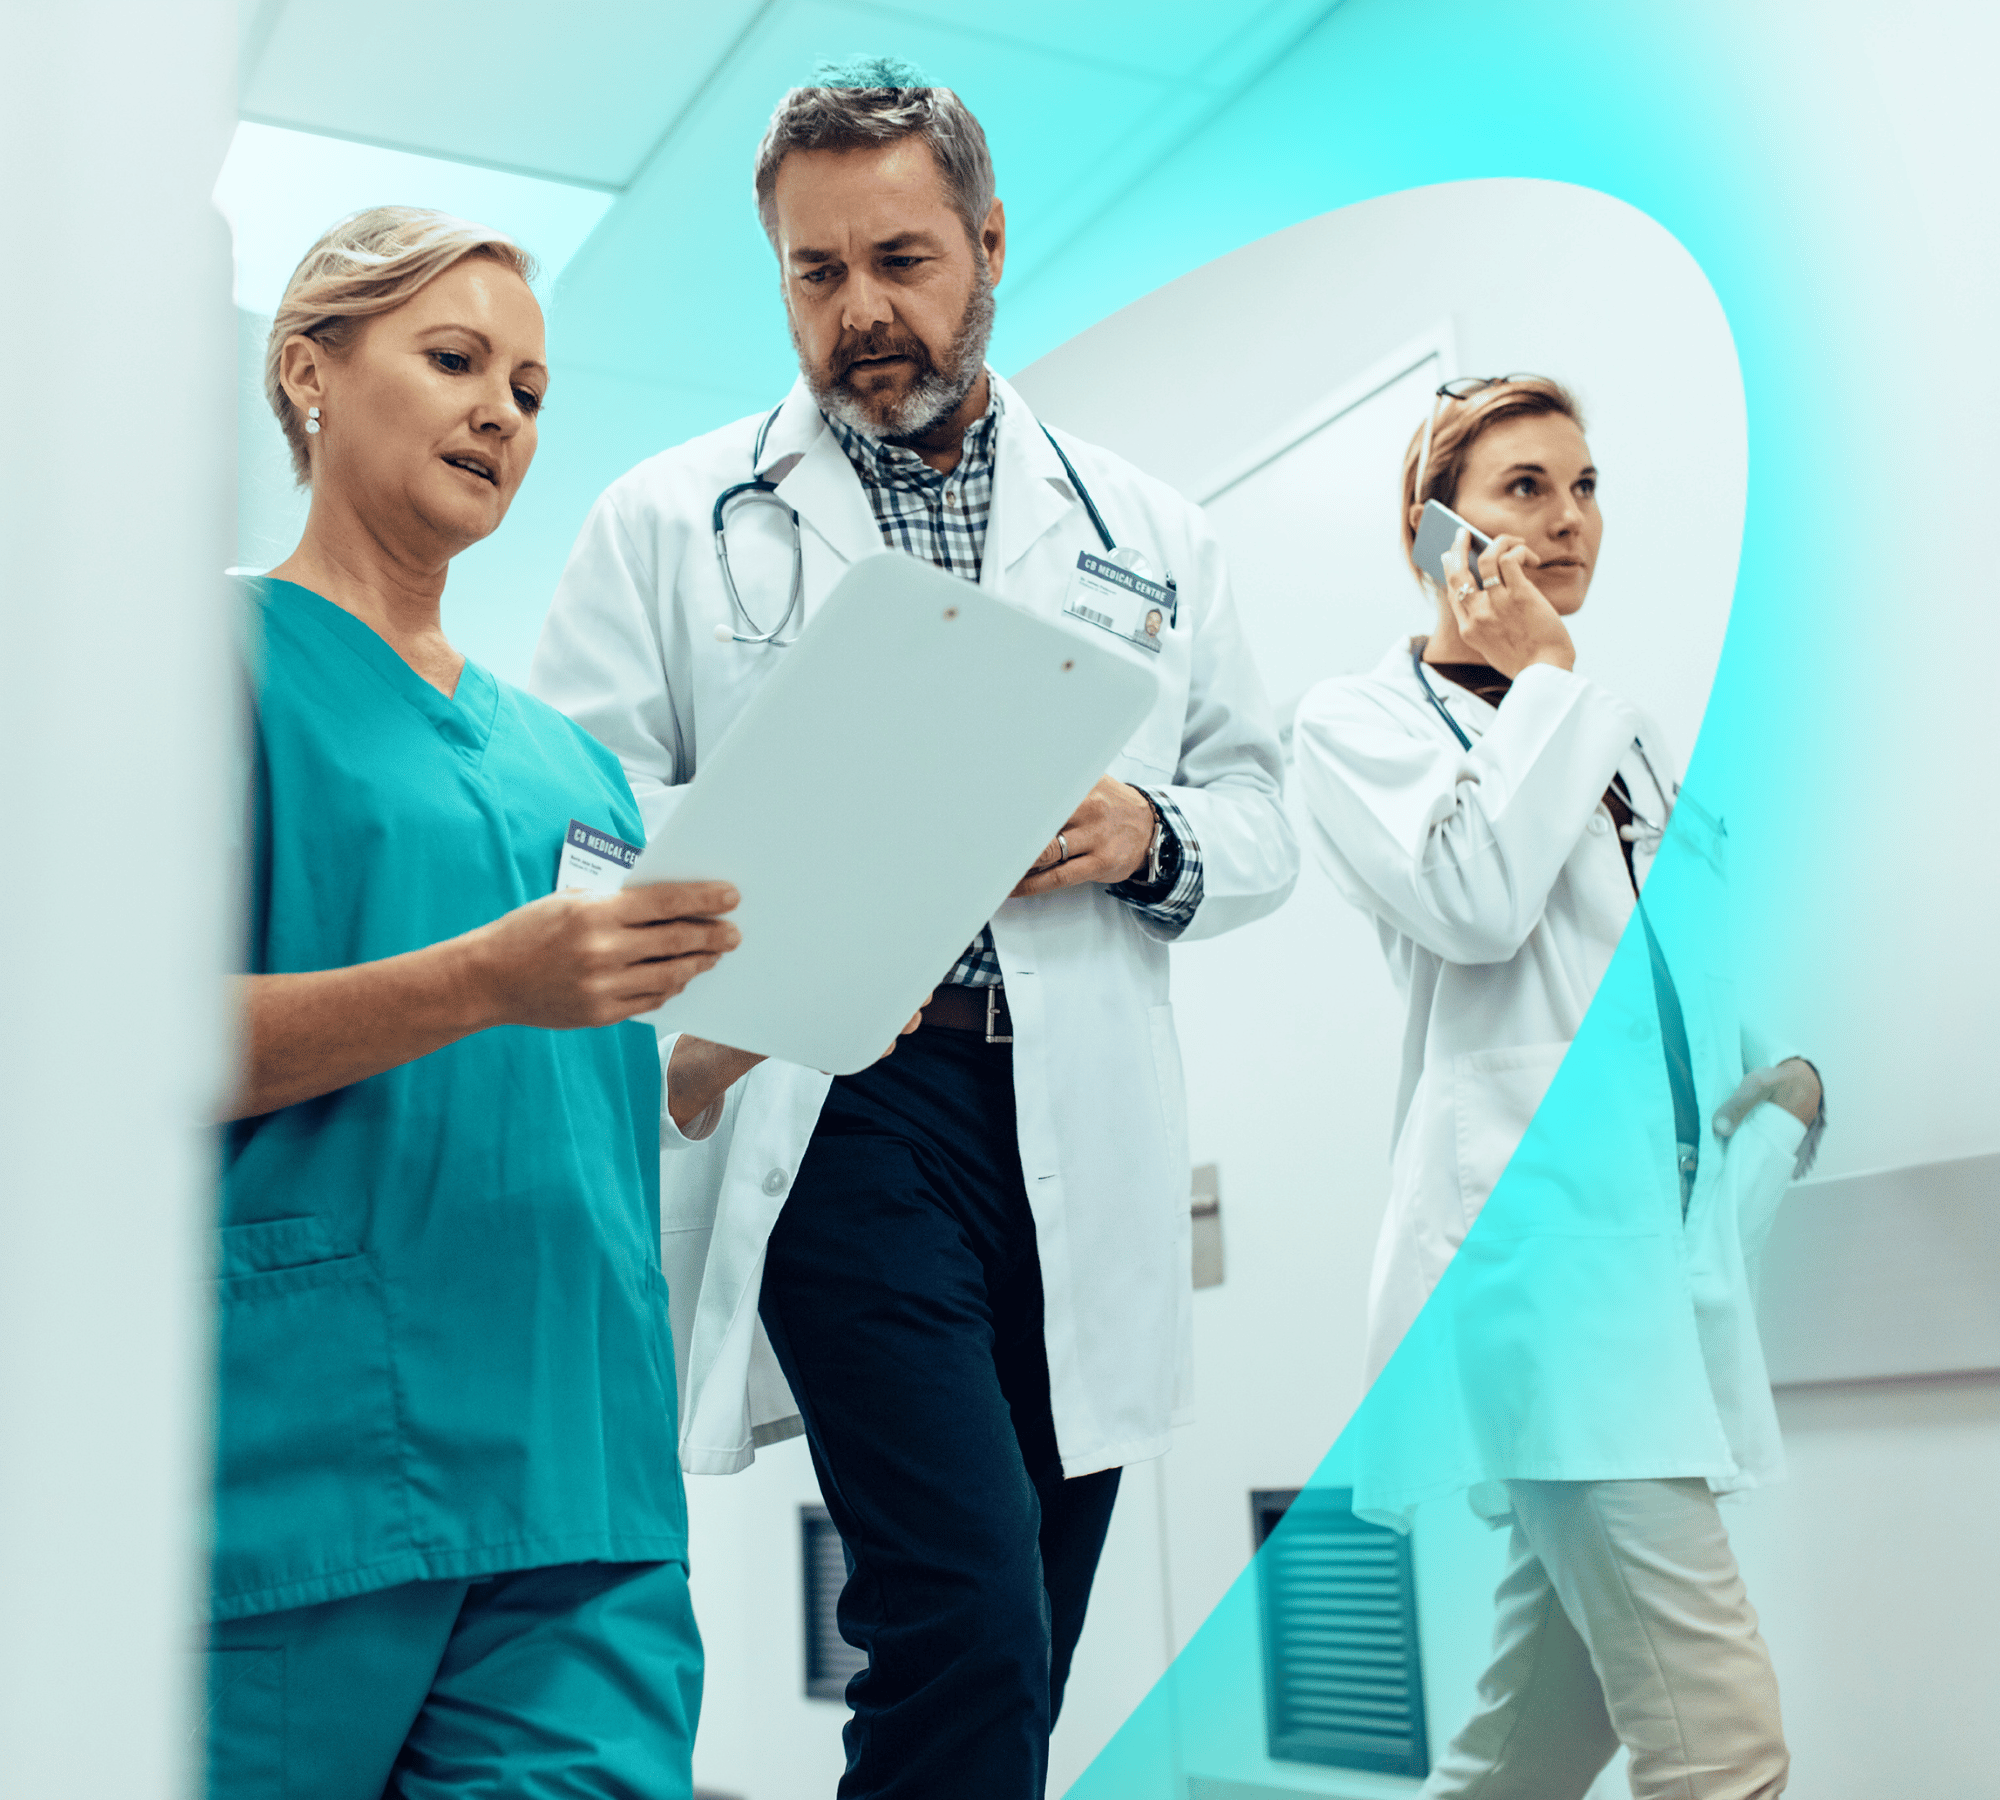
(938, 391)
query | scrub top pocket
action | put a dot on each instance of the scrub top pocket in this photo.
(304, 1346)
(267, 1245)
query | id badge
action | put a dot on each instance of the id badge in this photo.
(1122, 600)
(594, 861)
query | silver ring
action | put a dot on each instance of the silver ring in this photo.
(1491, 581)
(1465, 593)
(1062, 849)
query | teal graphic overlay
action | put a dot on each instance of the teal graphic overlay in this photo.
(1713, 129)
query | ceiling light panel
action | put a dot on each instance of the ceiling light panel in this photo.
(280, 190)
(575, 93)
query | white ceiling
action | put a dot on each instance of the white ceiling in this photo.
(661, 103)
(591, 91)
(577, 92)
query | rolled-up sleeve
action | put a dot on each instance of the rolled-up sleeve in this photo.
(1172, 910)
(699, 1128)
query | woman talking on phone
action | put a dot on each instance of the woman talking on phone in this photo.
(1496, 812)
(450, 1538)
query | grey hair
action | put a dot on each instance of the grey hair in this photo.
(368, 263)
(878, 100)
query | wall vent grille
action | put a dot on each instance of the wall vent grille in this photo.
(831, 1661)
(1343, 1680)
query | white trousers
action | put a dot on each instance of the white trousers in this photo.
(1622, 1620)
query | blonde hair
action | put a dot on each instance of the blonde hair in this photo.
(368, 263)
(1460, 425)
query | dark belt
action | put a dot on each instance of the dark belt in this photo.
(981, 1009)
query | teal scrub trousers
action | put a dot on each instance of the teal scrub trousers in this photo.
(581, 1680)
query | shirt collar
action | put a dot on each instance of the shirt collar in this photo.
(898, 466)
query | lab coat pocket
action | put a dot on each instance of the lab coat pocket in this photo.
(1152, 754)
(308, 1464)
(1758, 1163)
(1494, 1096)
(1173, 1099)
(1177, 1189)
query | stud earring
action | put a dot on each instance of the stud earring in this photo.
(312, 419)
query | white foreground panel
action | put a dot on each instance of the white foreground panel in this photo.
(117, 706)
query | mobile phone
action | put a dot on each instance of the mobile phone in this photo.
(1436, 532)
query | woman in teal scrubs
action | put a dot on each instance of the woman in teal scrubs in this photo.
(450, 1538)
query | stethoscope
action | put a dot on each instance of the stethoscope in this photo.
(755, 491)
(758, 491)
(1642, 830)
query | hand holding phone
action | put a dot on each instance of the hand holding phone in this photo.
(1436, 531)
(1509, 624)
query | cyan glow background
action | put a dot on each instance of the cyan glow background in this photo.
(1817, 162)
(1779, 149)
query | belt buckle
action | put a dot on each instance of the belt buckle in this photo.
(993, 1018)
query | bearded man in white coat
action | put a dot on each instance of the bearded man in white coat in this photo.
(970, 1262)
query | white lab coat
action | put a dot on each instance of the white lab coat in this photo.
(1593, 1334)
(630, 653)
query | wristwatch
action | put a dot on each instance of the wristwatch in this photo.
(1162, 854)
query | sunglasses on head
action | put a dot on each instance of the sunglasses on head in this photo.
(1462, 388)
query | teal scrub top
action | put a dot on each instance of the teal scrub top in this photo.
(444, 1348)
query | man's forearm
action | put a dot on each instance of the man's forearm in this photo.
(700, 1073)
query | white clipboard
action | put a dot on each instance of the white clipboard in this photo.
(916, 749)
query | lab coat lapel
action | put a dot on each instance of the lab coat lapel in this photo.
(1472, 713)
(820, 485)
(1031, 493)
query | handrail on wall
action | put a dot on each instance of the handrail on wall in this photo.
(1885, 1276)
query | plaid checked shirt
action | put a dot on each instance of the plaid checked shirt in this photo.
(942, 518)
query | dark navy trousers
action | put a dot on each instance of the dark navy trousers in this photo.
(904, 1299)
